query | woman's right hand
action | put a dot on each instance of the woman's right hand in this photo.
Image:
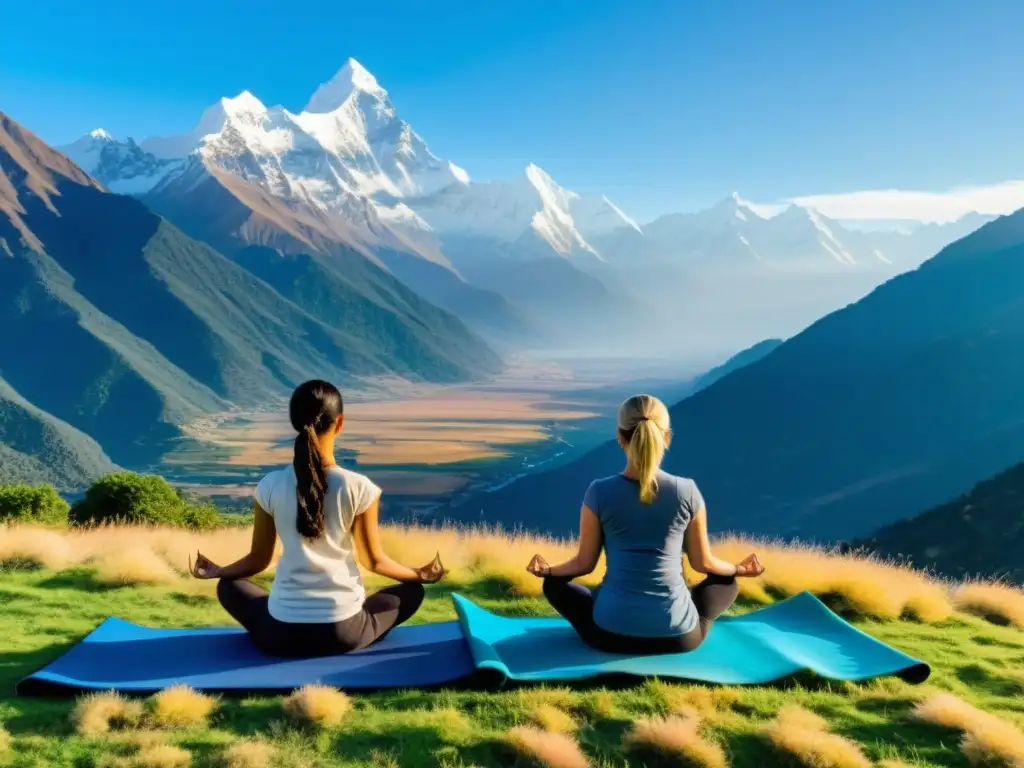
(432, 572)
(203, 568)
(749, 566)
(539, 567)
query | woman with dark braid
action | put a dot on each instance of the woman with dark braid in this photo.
(323, 513)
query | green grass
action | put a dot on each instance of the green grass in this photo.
(42, 613)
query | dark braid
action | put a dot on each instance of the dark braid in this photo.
(314, 409)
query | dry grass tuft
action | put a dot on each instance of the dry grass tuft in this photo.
(551, 750)
(550, 718)
(794, 716)
(98, 713)
(709, 703)
(947, 710)
(161, 756)
(995, 602)
(805, 736)
(988, 739)
(36, 546)
(556, 697)
(249, 754)
(677, 736)
(136, 564)
(180, 706)
(600, 704)
(318, 705)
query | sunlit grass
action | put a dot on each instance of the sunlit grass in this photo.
(44, 610)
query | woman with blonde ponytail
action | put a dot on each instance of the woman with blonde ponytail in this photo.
(644, 519)
(323, 515)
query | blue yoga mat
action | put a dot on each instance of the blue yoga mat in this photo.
(768, 644)
(771, 643)
(122, 656)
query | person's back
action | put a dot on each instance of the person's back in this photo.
(644, 519)
(317, 580)
(317, 606)
(644, 593)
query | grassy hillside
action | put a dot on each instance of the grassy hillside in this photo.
(980, 532)
(57, 586)
(879, 410)
(119, 324)
(244, 222)
(35, 447)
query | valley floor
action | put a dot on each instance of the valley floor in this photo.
(56, 586)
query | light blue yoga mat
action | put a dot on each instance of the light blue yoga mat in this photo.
(770, 643)
(774, 642)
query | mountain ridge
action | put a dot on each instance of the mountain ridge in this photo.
(872, 413)
(156, 328)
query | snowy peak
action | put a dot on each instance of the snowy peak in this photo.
(553, 221)
(351, 78)
(122, 166)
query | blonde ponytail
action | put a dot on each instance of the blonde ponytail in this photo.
(644, 428)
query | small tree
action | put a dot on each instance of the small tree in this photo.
(127, 497)
(32, 504)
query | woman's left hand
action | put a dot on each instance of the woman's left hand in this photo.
(203, 568)
(432, 572)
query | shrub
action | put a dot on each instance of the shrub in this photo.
(127, 497)
(202, 516)
(32, 504)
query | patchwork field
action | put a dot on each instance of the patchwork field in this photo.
(418, 441)
(57, 585)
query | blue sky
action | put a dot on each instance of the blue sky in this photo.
(663, 105)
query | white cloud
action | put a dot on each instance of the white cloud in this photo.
(881, 204)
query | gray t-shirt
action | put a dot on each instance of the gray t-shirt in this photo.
(644, 593)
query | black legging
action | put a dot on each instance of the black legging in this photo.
(713, 597)
(382, 611)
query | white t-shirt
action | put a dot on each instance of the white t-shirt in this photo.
(317, 581)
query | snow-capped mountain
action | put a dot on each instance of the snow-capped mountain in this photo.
(122, 166)
(349, 154)
(348, 170)
(533, 207)
(737, 234)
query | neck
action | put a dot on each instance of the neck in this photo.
(630, 472)
(326, 446)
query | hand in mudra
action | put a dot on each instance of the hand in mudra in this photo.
(432, 572)
(538, 566)
(203, 567)
(749, 566)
